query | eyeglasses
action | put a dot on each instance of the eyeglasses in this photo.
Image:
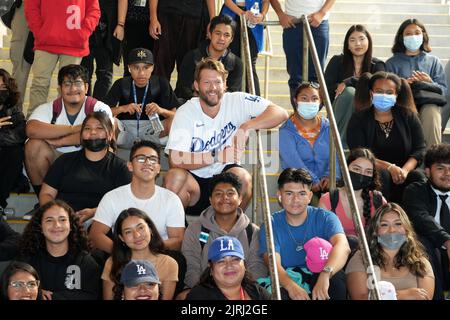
(18, 284)
(70, 83)
(143, 158)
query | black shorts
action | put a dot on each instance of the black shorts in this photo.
(205, 192)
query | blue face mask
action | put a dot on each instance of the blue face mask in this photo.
(392, 241)
(383, 102)
(413, 43)
(308, 110)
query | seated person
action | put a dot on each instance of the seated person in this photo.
(54, 127)
(161, 205)
(221, 32)
(293, 227)
(222, 218)
(412, 61)
(81, 178)
(226, 277)
(55, 244)
(12, 136)
(388, 125)
(143, 103)
(208, 136)
(365, 181)
(9, 241)
(398, 255)
(304, 139)
(427, 206)
(139, 281)
(20, 281)
(136, 238)
(343, 71)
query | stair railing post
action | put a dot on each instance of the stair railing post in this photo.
(374, 292)
(276, 294)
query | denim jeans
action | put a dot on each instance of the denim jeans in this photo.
(293, 48)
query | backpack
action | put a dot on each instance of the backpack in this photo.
(57, 107)
(228, 61)
(155, 88)
(334, 199)
(204, 235)
(8, 16)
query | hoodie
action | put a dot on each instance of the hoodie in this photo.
(197, 259)
(63, 26)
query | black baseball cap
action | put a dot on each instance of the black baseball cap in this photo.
(140, 55)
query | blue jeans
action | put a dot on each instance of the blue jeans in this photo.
(293, 48)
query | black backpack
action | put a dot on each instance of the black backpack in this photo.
(204, 235)
(334, 199)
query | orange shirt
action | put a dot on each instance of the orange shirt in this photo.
(309, 134)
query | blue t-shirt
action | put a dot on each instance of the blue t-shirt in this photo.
(320, 223)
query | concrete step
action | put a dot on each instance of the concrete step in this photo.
(380, 6)
(380, 14)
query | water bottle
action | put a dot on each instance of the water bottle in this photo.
(255, 10)
(155, 125)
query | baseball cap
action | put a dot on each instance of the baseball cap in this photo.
(317, 251)
(140, 55)
(138, 271)
(223, 247)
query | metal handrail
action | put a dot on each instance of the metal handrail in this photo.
(276, 294)
(375, 293)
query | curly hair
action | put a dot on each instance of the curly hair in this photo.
(411, 254)
(11, 86)
(33, 240)
(121, 253)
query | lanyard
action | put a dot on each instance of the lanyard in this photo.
(138, 114)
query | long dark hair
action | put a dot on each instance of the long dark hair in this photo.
(11, 86)
(348, 62)
(375, 185)
(363, 99)
(121, 253)
(12, 269)
(105, 122)
(33, 240)
(411, 253)
(399, 47)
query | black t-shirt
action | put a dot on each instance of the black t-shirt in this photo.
(82, 183)
(121, 93)
(58, 275)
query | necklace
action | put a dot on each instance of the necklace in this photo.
(299, 246)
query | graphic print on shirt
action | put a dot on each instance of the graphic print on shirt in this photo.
(73, 277)
(202, 141)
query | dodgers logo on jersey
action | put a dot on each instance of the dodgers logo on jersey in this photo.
(217, 139)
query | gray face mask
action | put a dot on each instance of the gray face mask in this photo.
(392, 241)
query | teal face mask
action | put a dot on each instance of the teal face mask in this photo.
(413, 43)
(308, 110)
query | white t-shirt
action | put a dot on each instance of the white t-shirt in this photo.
(164, 208)
(44, 113)
(193, 131)
(297, 8)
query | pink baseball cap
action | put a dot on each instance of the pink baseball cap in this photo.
(317, 251)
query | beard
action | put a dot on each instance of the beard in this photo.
(210, 101)
(440, 188)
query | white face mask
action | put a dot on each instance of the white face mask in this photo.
(308, 110)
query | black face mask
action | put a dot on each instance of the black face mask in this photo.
(95, 145)
(4, 95)
(360, 181)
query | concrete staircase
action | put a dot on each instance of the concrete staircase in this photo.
(382, 19)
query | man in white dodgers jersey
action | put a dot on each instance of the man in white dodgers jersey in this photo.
(208, 136)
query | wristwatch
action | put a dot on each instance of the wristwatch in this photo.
(328, 269)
